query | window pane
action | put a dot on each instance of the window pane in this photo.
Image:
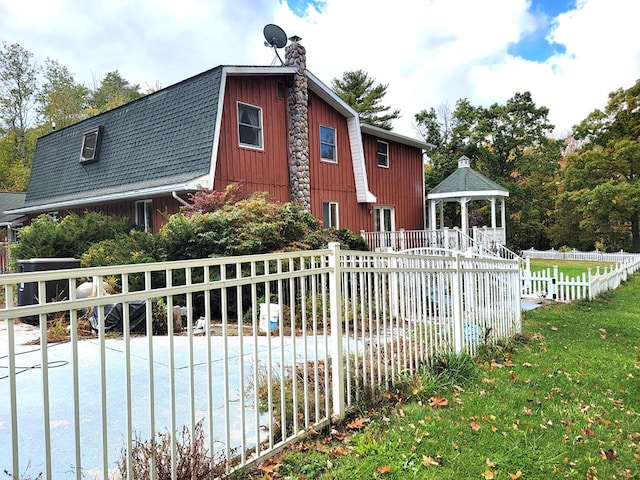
(249, 125)
(383, 154)
(327, 151)
(328, 143)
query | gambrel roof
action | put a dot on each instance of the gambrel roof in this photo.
(161, 143)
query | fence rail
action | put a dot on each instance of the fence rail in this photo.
(274, 346)
(552, 284)
(596, 255)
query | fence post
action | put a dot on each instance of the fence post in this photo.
(336, 352)
(457, 287)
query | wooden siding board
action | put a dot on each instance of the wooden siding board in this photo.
(257, 170)
(400, 185)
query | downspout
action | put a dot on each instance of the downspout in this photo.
(183, 202)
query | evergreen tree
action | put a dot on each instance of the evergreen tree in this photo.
(358, 90)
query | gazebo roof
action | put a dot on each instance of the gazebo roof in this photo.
(466, 182)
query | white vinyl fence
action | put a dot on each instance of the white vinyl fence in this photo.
(595, 256)
(335, 325)
(552, 284)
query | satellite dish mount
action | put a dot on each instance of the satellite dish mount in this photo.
(274, 38)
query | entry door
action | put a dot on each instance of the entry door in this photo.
(385, 222)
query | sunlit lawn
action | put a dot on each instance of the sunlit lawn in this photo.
(570, 268)
(565, 404)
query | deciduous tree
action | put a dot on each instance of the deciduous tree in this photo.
(603, 176)
(18, 85)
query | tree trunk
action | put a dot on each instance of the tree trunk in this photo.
(635, 232)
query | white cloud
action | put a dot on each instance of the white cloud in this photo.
(429, 52)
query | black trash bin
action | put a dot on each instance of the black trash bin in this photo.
(55, 289)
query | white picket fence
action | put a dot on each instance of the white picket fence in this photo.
(595, 256)
(345, 322)
(552, 284)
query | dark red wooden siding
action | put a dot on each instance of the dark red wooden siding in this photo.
(334, 182)
(401, 184)
(162, 206)
(257, 170)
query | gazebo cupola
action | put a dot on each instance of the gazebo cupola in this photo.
(464, 186)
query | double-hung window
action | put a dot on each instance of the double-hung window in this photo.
(249, 125)
(328, 151)
(144, 215)
(382, 152)
(330, 215)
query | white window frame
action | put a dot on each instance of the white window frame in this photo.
(146, 223)
(331, 215)
(258, 128)
(384, 155)
(334, 145)
(384, 219)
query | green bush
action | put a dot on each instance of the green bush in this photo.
(126, 248)
(70, 237)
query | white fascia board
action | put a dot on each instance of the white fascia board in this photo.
(395, 137)
(363, 194)
(480, 194)
(116, 197)
(239, 70)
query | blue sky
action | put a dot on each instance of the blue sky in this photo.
(570, 54)
(535, 46)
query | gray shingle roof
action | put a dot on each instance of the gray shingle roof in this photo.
(466, 180)
(10, 200)
(143, 145)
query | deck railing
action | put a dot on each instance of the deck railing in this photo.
(274, 346)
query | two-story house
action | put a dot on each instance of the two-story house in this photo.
(277, 129)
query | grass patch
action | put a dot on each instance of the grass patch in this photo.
(564, 404)
(571, 268)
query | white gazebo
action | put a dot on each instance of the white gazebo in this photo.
(463, 186)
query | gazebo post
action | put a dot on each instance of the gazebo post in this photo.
(463, 186)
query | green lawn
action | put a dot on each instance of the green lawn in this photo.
(562, 403)
(571, 268)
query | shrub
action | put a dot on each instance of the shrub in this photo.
(126, 248)
(72, 236)
(193, 460)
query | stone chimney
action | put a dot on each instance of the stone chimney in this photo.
(297, 104)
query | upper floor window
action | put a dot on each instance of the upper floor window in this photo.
(330, 214)
(328, 144)
(383, 154)
(249, 125)
(91, 145)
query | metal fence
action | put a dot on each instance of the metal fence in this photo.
(274, 346)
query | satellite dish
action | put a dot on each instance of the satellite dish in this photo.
(275, 38)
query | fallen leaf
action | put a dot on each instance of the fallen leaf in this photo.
(490, 463)
(474, 426)
(609, 454)
(438, 401)
(268, 466)
(488, 475)
(357, 424)
(383, 469)
(526, 364)
(429, 461)
(516, 476)
(554, 328)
